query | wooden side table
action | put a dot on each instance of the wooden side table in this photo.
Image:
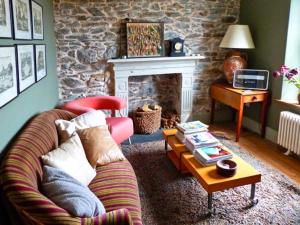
(236, 98)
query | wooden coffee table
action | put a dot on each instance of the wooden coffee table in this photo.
(207, 176)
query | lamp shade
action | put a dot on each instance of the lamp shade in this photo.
(237, 36)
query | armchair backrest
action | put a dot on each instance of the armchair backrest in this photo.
(83, 105)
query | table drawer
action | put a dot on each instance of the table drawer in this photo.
(254, 98)
(226, 97)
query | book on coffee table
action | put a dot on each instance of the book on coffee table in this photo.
(200, 139)
(192, 127)
(210, 155)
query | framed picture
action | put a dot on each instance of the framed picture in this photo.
(26, 74)
(8, 74)
(22, 19)
(145, 39)
(5, 19)
(40, 62)
(37, 21)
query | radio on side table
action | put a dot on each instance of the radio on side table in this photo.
(236, 99)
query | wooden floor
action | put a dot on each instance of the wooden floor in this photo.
(264, 150)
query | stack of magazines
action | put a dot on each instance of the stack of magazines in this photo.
(210, 155)
(200, 140)
(189, 128)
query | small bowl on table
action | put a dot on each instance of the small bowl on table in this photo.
(226, 167)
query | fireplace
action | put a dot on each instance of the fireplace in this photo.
(182, 66)
(163, 90)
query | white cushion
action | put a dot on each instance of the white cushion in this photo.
(70, 158)
(92, 118)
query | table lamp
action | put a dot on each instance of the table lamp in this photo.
(236, 37)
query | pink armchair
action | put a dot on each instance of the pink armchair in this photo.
(121, 128)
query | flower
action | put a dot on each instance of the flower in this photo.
(284, 69)
(276, 74)
(291, 75)
(294, 71)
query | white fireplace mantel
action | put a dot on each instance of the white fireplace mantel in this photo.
(185, 66)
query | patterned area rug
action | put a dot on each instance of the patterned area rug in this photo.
(169, 197)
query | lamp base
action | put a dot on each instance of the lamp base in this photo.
(234, 61)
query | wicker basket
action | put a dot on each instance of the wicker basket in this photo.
(147, 122)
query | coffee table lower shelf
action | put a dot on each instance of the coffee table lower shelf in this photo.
(207, 176)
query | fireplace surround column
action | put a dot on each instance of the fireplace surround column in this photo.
(185, 66)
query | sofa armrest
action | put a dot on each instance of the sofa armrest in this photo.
(116, 217)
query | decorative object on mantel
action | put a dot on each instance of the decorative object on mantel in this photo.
(177, 45)
(236, 37)
(147, 119)
(289, 75)
(145, 39)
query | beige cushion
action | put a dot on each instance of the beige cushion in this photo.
(99, 146)
(70, 157)
(92, 118)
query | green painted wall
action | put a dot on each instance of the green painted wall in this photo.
(269, 22)
(37, 98)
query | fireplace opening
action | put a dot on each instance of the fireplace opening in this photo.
(163, 90)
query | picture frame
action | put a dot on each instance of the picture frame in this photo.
(144, 39)
(40, 62)
(8, 75)
(26, 68)
(37, 21)
(22, 19)
(5, 19)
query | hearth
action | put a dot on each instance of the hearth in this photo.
(169, 119)
(163, 90)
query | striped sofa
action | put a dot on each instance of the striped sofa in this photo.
(21, 172)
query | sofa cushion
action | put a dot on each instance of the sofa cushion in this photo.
(69, 194)
(89, 119)
(99, 146)
(70, 157)
(116, 186)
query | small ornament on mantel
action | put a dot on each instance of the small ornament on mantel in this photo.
(177, 47)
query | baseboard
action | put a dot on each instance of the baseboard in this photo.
(254, 126)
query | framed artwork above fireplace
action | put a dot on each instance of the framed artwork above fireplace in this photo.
(145, 39)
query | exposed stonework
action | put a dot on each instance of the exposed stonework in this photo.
(162, 90)
(89, 32)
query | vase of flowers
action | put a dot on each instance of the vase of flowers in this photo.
(289, 75)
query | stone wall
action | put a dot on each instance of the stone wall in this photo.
(161, 90)
(89, 32)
